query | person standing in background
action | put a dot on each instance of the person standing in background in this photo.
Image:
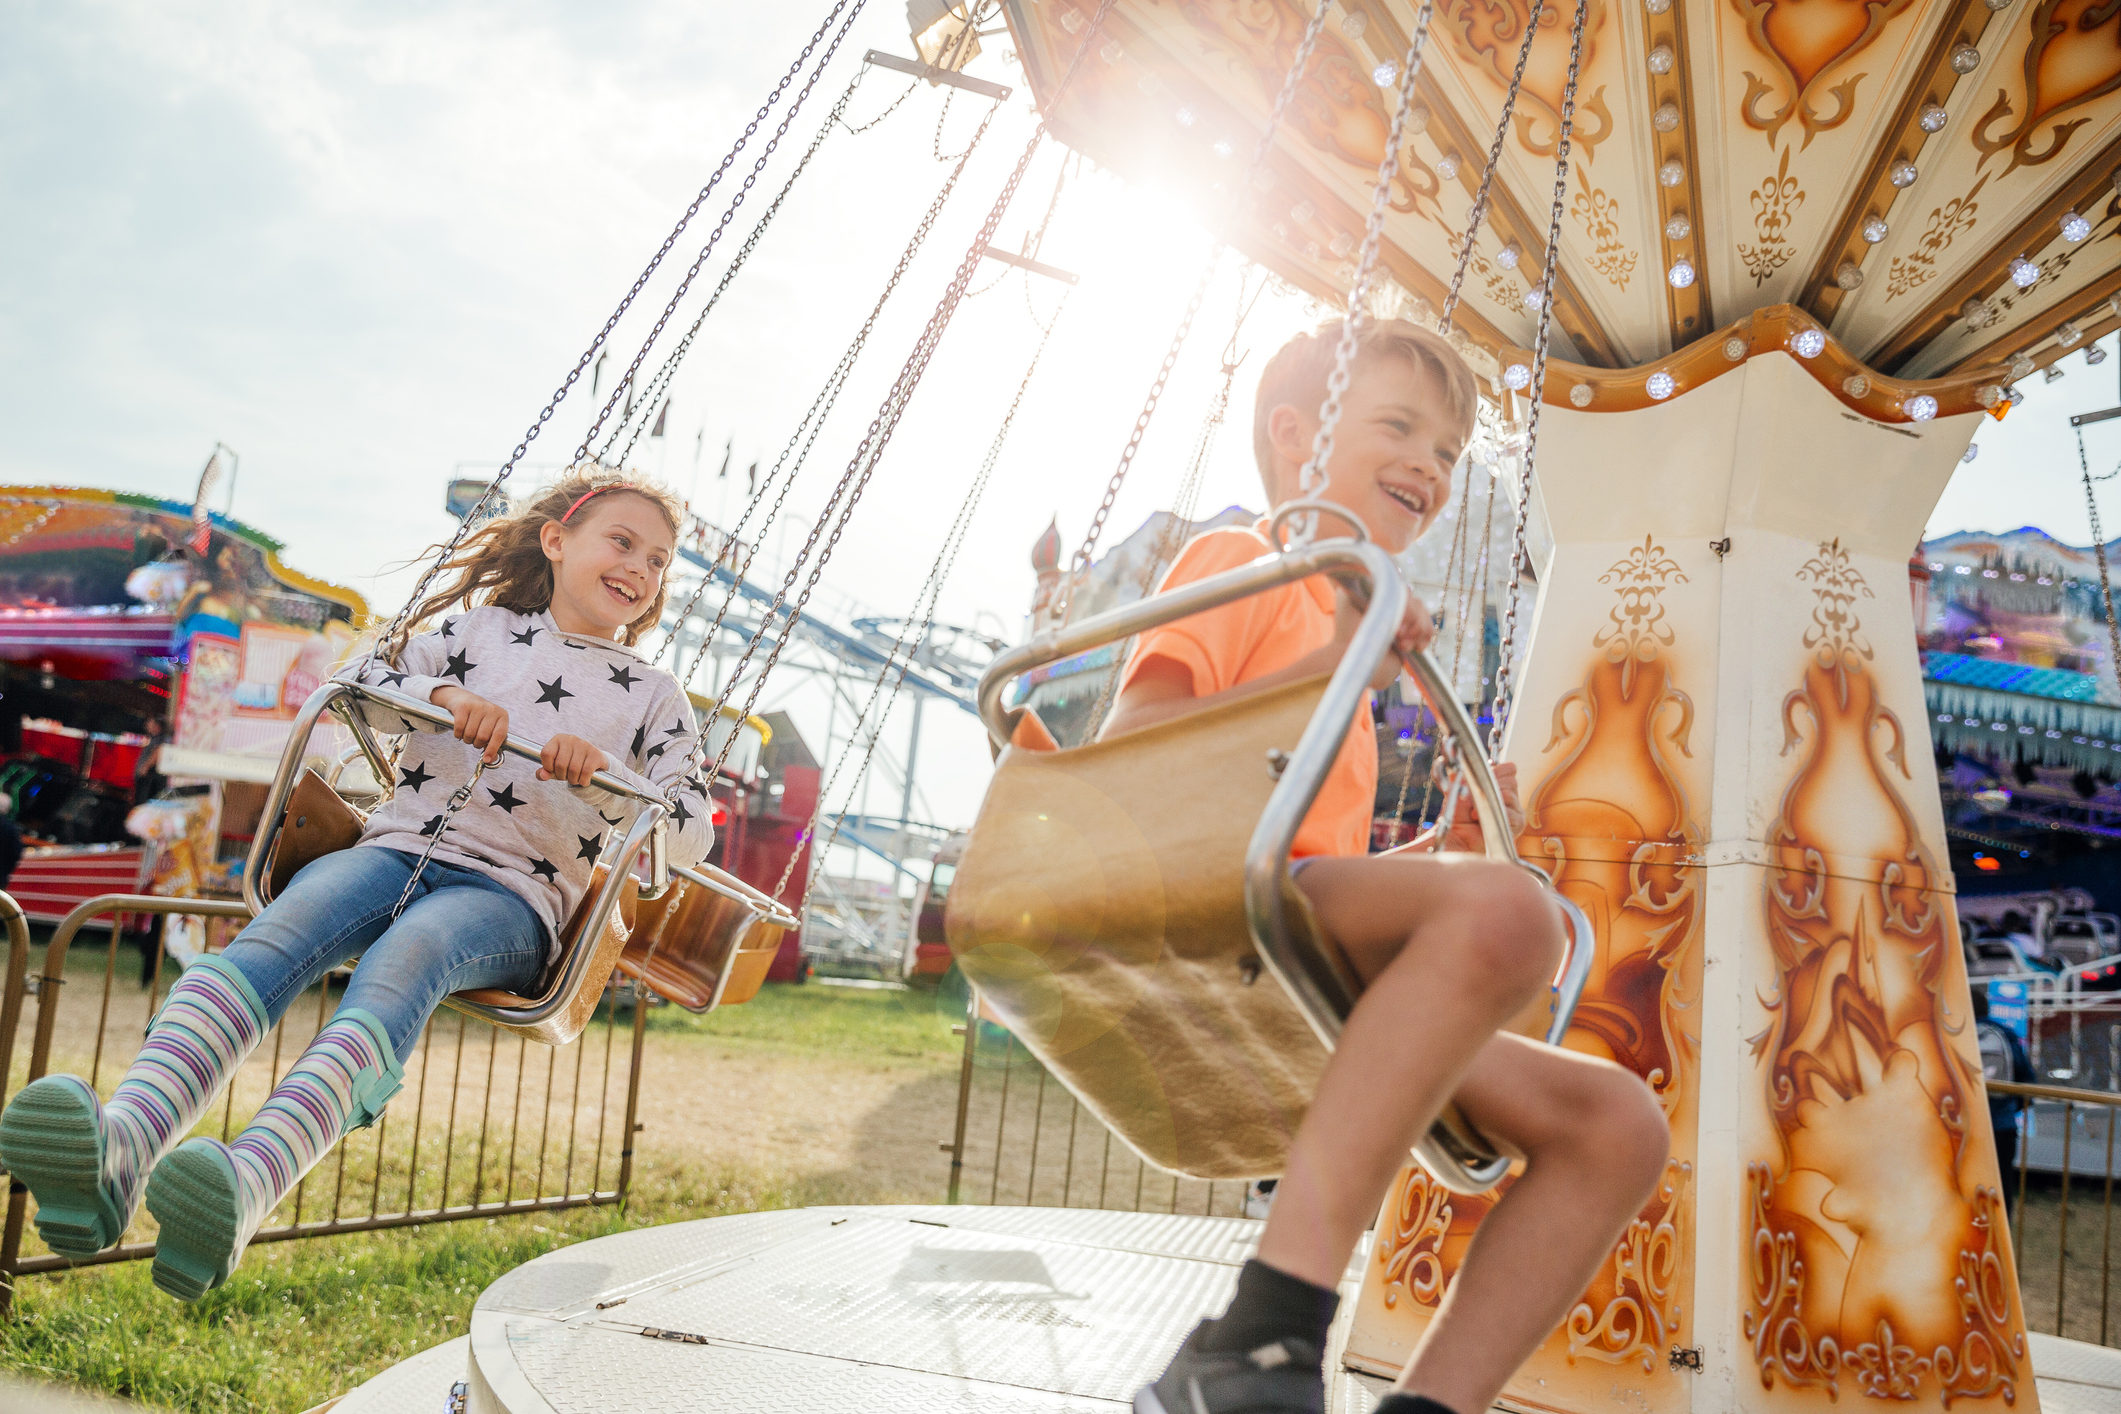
(10, 839)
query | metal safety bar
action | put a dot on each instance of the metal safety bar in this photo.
(1324, 988)
(342, 697)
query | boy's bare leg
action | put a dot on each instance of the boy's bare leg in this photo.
(1596, 1144)
(1451, 948)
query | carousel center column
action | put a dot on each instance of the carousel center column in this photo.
(1721, 732)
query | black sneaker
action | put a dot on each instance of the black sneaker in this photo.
(1281, 1377)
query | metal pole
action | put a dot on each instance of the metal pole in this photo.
(633, 1092)
(913, 750)
(956, 1146)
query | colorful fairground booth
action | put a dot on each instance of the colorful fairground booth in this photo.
(152, 661)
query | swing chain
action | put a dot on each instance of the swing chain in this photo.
(857, 132)
(486, 498)
(2106, 587)
(667, 374)
(813, 421)
(626, 379)
(1520, 551)
(1315, 476)
(458, 798)
(1079, 566)
(1487, 175)
(869, 452)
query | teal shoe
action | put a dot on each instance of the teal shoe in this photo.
(199, 1204)
(52, 1138)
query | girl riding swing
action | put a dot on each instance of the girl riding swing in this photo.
(555, 595)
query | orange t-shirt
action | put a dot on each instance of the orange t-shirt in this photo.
(1252, 637)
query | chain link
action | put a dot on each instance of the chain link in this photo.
(931, 590)
(1487, 173)
(664, 375)
(633, 369)
(478, 511)
(1316, 475)
(911, 85)
(456, 802)
(1079, 566)
(1520, 553)
(874, 442)
(813, 422)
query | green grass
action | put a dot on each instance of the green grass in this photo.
(309, 1319)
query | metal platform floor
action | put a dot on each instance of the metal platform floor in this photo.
(930, 1309)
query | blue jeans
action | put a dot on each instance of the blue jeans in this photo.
(459, 930)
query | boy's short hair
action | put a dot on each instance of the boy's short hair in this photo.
(1297, 374)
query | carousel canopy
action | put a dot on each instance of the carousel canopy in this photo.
(1934, 183)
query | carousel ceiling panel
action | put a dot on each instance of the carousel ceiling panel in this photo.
(1878, 162)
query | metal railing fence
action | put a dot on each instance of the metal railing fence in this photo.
(481, 1128)
(2067, 1137)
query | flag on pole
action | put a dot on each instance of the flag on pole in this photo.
(662, 414)
(699, 444)
(731, 447)
(202, 526)
(751, 480)
(596, 374)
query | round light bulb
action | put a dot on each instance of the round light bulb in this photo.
(1965, 58)
(1657, 7)
(1932, 118)
(1342, 244)
(1581, 395)
(1222, 147)
(1920, 408)
(1734, 348)
(1418, 118)
(2021, 366)
(1384, 73)
(1855, 385)
(1354, 23)
(2067, 334)
(1681, 274)
(1186, 117)
(1973, 449)
(1666, 118)
(1517, 377)
(1671, 174)
(2024, 274)
(1977, 314)
(1661, 59)
(1509, 255)
(1904, 173)
(1678, 228)
(1447, 166)
(2075, 228)
(1533, 299)
(1988, 395)
(1875, 229)
(1809, 343)
(1848, 275)
(1659, 385)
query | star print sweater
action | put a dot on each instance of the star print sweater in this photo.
(538, 838)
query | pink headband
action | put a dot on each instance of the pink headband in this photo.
(596, 491)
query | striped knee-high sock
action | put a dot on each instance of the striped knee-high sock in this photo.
(208, 1023)
(342, 1082)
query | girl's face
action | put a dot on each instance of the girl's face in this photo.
(607, 563)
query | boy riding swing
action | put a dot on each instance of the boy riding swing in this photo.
(1450, 947)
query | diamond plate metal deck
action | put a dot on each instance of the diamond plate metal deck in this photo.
(937, 1310)
(1058, 1311)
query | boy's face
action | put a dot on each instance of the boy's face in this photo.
(1393, 453)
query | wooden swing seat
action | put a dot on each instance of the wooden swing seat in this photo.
(702, 948)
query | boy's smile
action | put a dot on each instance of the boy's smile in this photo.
(1393, 453)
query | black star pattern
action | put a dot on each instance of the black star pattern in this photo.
(391, 679)
(590, 847)
(526, 636)
(640, 738)
(657, 750)
(624, 677)
(546, 870)
(505, 797)
(611, 819)
(417, 777)
(553, 692)
(577, 647)
(460, 666)
(449, 628)
(432, 827)
(678, 730)
(678, 812)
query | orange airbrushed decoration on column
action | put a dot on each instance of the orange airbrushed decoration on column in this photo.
(1612, 822)
(1878, 1262)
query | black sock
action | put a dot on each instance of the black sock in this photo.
(1410, 1404)
(1271, 1305)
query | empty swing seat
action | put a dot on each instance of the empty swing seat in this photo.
(708, 942)
(1125, 905)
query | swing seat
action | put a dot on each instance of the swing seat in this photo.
(304, 818)
(1145, 941)
(708, 942)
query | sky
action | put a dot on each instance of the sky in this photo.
(361, 246)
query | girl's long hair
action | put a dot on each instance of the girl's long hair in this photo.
(503, 562)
